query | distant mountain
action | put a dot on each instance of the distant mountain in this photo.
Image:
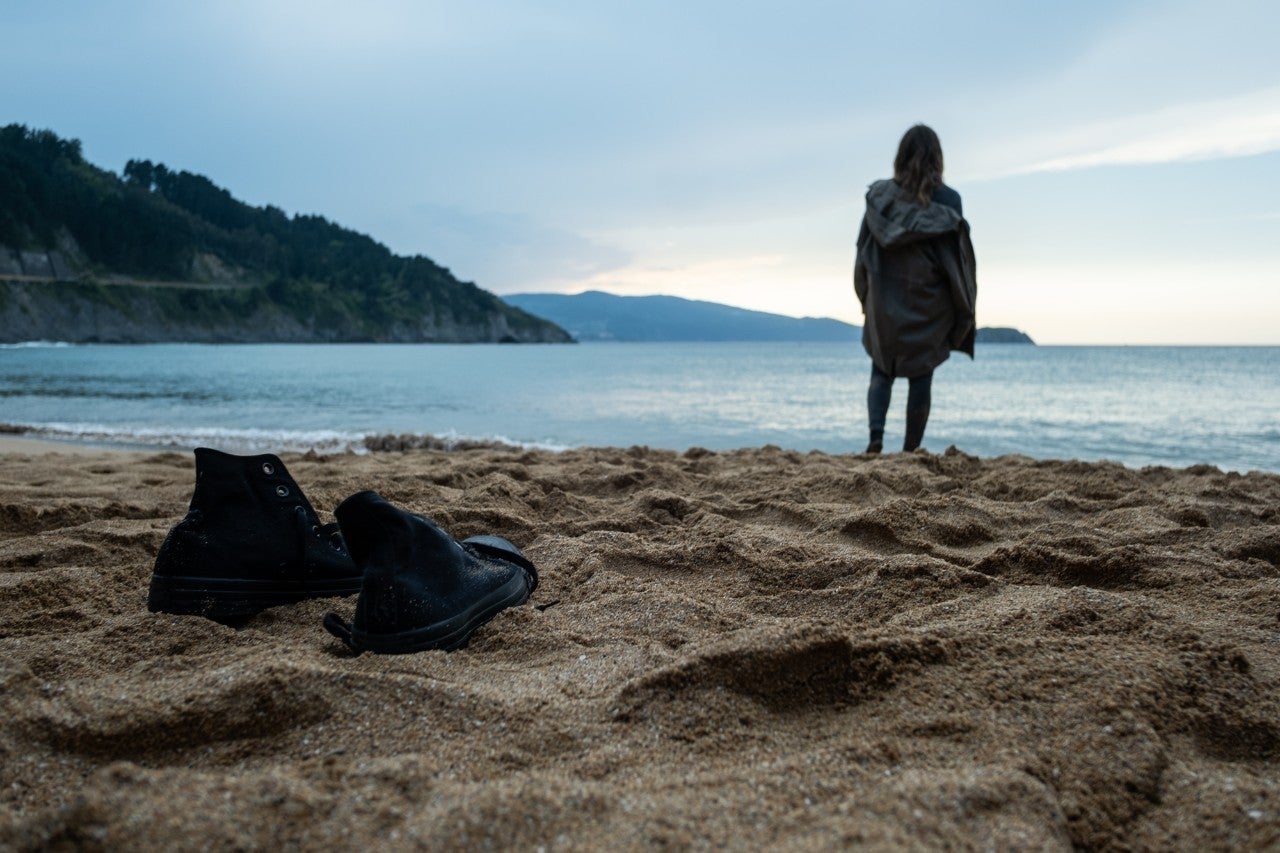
(1002, 335)
(156, 254)
(598, 316)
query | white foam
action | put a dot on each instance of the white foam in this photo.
(454, 437)
(231, 440)
(245, 440)
(36, 345)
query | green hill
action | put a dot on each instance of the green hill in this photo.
(156, 254)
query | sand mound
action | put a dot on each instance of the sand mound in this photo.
(752, 648)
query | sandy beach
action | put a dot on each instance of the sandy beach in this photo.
(746, 649)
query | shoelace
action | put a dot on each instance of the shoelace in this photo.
(340, 628)
(307, 526)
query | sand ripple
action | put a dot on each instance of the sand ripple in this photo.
(744, 649)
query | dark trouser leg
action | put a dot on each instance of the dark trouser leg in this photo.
(918, 398)
(878, 395)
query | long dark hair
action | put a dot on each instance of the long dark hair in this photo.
(918, 166)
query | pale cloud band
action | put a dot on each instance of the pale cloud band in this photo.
(1208, 130)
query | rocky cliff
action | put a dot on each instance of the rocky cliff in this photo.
(80, 312)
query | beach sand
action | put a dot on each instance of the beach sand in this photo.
(746, 649)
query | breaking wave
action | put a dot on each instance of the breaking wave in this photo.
(260, 440)
(36, 345)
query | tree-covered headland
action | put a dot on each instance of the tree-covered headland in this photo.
(200, 256)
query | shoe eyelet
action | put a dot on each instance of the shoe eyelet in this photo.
(315, 530)
(268, 468)
(336, 542)
(282, 491)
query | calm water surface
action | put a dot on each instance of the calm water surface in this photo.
(1138, 405)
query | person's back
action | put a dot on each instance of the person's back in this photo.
(914, 276)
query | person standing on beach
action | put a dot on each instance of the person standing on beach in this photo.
(916, 278)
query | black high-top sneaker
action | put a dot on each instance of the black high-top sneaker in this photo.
(249, 541)
(422, 588)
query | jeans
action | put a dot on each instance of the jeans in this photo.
(918, 397)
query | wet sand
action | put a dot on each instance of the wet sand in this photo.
(745, 649)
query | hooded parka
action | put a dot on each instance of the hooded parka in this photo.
(916, 278)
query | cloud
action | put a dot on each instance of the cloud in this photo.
(1238, 126)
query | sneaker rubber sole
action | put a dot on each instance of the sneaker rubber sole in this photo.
(221, 598)
(446, 635)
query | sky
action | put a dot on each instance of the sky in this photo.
(1119, 161)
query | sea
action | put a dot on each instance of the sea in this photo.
(1140, 405)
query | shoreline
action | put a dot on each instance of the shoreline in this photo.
(36, 446)
(1028, 400)
(393, 444)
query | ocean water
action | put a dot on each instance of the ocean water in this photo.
(1175, 406)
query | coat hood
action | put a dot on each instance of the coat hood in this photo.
(896, 221)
